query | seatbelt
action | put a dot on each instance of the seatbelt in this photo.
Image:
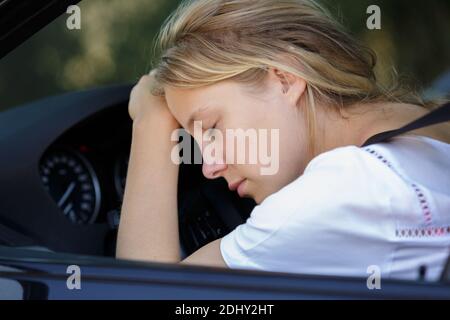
(441, 114)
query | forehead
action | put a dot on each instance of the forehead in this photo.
(183, 102)
(187, 97)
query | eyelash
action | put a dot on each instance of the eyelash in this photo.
(212, 128)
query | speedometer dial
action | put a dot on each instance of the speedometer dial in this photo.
(72, 183)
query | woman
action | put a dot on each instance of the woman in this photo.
(333, 206)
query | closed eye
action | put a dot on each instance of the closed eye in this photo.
(211, 130)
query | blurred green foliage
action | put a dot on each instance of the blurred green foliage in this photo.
(114, 45)
(414, 38)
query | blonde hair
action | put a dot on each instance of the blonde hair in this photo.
(206, 41)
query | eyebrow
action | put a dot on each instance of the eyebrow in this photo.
(195, 114)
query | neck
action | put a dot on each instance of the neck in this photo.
(360, 123)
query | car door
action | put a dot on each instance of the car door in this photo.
(35, 273)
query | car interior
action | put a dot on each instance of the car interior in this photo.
(66, 190)
(65, 153)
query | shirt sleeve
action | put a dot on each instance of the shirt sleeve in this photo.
(334, 219)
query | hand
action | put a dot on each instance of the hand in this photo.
(143, 105)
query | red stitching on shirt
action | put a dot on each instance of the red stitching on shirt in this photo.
(422, 232)
(419, 193)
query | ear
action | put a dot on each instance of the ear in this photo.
(292, 86)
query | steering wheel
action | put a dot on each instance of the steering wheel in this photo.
(208, 210)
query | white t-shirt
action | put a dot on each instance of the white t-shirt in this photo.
(387, 204)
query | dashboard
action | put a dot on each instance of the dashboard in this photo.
(84, 170)
(63, 176)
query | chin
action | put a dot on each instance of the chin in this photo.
(258, 195)
(258, 198)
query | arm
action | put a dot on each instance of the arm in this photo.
(148, 227)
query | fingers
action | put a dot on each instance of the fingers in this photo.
(143, 80)
(147, 80)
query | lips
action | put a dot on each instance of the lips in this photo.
(233, 186)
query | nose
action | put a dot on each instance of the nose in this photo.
(213, 162)
(212, 171)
